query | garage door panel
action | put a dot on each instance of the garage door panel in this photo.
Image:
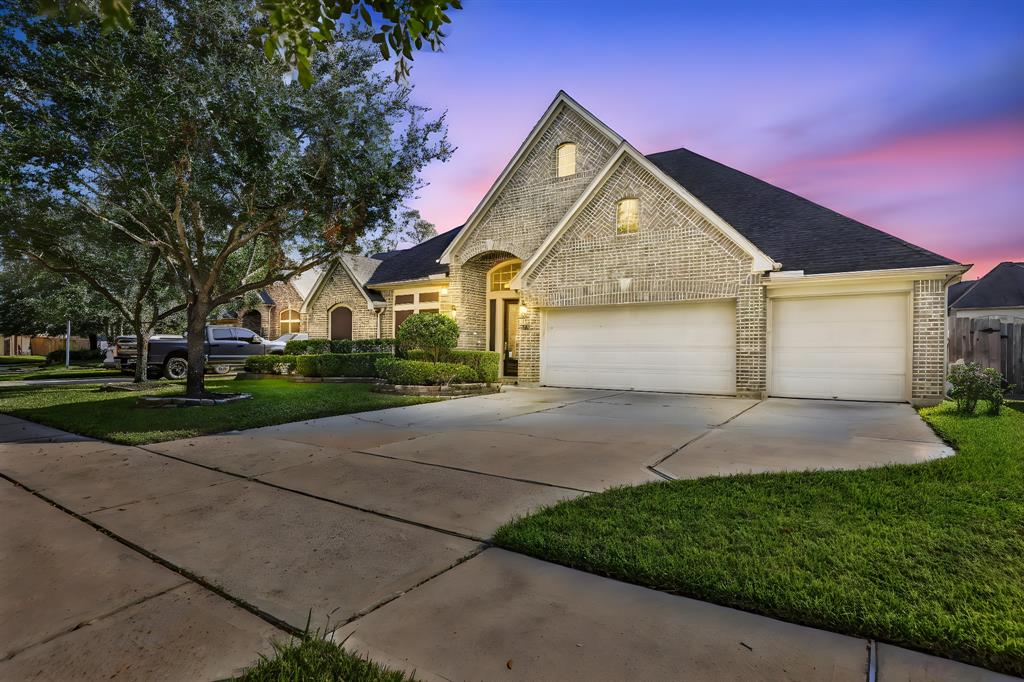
(846, 347)
(685, 348)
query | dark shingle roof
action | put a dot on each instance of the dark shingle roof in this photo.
(1002, 287)
(418, 262)
(265, 297)
(794, 231)
(957, 290)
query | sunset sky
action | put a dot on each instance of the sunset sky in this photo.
(908, 116)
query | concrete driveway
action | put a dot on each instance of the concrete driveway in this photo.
(377, 523)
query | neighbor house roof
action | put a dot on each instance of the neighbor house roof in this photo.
(794, 231)
(1002, 287)
(418, 262)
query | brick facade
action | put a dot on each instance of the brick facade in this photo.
(928, 375)
(676, 256)
(285, 297)
(339, 289)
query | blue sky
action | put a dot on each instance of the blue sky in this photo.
(906, 115)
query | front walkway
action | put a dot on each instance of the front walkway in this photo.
(377, 524)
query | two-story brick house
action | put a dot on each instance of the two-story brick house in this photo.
(588, 264)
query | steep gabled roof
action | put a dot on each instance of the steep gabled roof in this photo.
(792, 230)
(358, 268)
(1002, 287)
(418, 262)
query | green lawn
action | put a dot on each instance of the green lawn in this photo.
(113, 416)
(928, 556)
(59, 372)
(315, 659)
(21, 359)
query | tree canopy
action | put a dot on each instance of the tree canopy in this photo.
(179, 137)
(297, 29)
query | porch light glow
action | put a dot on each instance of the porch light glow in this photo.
(523, 309)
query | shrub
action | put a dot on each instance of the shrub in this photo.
(321, 346)
(349, 364)
(77, 356)
(363, 346)
(306, 365)
(484, 362)
(420, 373)
(971, 383)
(432, 333)
(270, 364)
(339, 364)
(308, 347)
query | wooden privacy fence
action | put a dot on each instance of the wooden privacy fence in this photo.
(990, 343)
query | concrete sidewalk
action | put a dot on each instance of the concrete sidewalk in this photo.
(363, 522)
(78, 605)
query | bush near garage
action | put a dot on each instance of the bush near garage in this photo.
(484, 362)
(339, 364)
(270, 364)
(56, 357)
(341, 346)
(421, 373)
(973, 383)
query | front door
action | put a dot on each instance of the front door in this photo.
(510, 337)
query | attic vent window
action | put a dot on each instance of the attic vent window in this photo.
(565, 159)
(627, 216)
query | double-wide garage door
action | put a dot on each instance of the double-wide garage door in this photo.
(689, 348)
(845, 347)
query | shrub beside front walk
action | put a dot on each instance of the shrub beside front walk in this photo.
(421, 373)
(339, 364)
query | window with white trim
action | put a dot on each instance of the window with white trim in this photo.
(502, 276)
(408, 303)
(627, 216)
(565, 159)
(290, 321)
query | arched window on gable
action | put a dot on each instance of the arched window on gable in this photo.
(290, 321)
(565, 159)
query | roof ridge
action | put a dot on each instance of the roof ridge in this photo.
(915, 247)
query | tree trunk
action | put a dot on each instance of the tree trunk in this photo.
(198, 311)
(142, 334)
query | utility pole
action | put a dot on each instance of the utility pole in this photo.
(67, 347)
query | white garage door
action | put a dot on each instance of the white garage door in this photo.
(690, 348)
(845, 347)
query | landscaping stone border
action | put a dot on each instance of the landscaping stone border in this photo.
(182, 401)
(454, 390)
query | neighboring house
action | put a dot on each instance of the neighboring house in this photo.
(999, 294)
(588, 264)
(279, 312)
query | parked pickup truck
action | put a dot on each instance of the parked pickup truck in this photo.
(225, 348)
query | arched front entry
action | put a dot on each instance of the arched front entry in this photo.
(253, 321)
(341, 323)
(503, 315)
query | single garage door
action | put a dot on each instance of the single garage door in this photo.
(845, 347)
(689, 348)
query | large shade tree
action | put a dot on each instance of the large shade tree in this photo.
(176, 135)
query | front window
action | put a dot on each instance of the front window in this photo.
(627, 216)
(290, 321)
(422, 301)
(502, 276)
(565, 160)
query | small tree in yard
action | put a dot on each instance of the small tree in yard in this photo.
(972, 383)
(180, 136)
(433, 333)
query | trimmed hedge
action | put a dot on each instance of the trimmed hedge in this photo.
(339, 346)
(484, 362)
(57, 356)
(339, 364)
(420, 373)
(270, 364)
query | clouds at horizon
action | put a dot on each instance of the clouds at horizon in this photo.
(909, 118)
